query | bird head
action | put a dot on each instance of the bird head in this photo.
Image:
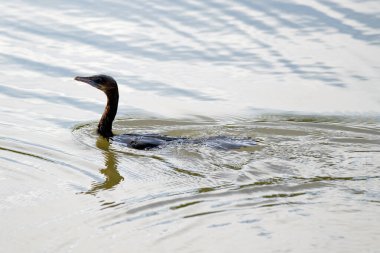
(102, 82)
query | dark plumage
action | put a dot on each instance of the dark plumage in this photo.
(148, 141)
(109, 86)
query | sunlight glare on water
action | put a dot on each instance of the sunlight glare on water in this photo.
(300, 79)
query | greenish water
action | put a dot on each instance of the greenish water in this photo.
(301, 79)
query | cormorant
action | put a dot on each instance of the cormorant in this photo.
(147, 141)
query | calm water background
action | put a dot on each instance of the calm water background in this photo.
(300, 77)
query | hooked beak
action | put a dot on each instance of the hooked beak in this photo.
(87, 80)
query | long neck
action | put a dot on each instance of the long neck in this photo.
(105, 123)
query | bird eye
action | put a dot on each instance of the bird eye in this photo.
(98, 80)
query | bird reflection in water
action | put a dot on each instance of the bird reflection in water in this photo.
(110, 172)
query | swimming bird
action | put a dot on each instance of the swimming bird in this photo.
(109, 86)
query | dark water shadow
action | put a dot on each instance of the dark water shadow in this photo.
(142, 48)
(47, 69)
(187, 19)
(110, 172)
(320, 19)
(132, 81)
(316, 71)
(223, 13)
(56, 99)
(166, 89)
(371, 21)
(243, 17)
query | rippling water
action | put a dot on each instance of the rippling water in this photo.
(300, 78)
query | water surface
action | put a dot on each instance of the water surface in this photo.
(300, 78)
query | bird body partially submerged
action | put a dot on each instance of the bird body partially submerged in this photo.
(147, 141)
